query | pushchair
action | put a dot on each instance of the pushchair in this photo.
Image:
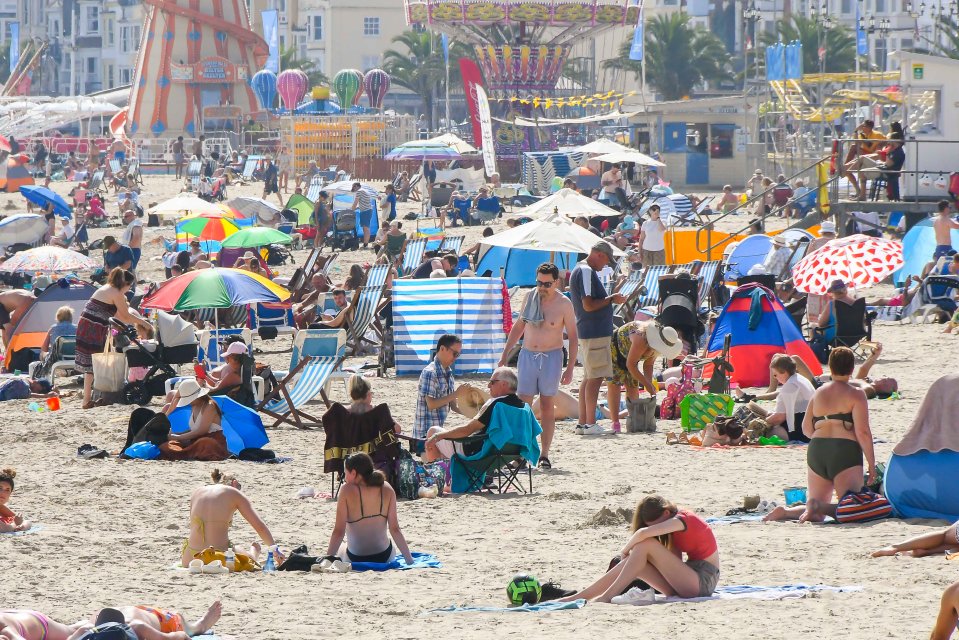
(344, 230)
(176, 344)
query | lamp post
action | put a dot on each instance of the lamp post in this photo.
(750, 16)
(825, 23)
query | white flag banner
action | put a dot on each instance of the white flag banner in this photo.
(486, 130)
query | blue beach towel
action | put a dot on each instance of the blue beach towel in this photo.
(32, 529)
(526, 608)
(420, 561)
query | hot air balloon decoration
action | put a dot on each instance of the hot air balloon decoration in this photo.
(346, 85)
(376, 83)
(291, 84)
(264, 86)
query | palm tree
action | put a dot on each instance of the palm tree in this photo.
(950, 28)
(838, 43)
(289, 60)
(679, 56)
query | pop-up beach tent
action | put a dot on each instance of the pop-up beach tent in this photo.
(917, 247)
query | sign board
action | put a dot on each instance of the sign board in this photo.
(918, 71)
(224, 112)
(209, 70)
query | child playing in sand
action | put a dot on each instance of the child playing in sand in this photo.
(9, 521)
(952, 324)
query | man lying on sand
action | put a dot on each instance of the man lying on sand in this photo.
(150, 623)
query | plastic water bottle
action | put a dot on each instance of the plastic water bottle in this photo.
(269, 566)
(230, 559)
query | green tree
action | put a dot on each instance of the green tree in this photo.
(289, 60)
(949, 28)
(839, 43)
(679, 56)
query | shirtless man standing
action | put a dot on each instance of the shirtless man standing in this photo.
(540, 366)
(12, 305)
(151, 623)
(944, 225)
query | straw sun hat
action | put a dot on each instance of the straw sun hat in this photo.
(190, 390)
(665, 340)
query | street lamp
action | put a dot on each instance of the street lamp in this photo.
(751, 15)
(825, 23)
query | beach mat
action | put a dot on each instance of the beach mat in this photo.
(526, 608)
(753, 592)
(420, 561)
(32, 529)
(733, 519)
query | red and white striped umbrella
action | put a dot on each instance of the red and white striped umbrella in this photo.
(858, 260)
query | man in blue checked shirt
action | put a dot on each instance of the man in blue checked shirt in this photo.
(436, 393)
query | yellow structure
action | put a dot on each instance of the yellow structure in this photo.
(792, 94)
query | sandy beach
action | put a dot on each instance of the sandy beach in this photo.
(111, 531)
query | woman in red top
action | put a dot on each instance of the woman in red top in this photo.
(9, 520)
(660, 564)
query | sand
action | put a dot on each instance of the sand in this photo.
(111, 531)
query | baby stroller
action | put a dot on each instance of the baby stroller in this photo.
(344, 230)
(175, 345)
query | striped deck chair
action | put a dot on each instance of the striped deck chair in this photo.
(413, 256)
(452, 244)
(95, 183)
(651, 282)
(134, 170)
(317, 354)
(229, 317)
(707, 273)
(193, 173)
(250, 167)
(313, 190)
(366, 303)
(114, 166)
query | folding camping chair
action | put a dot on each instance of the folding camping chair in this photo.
(271, 319)
(502, 448)
(313, 190)
(317, 354)
(193, 173)
(413, 256)
(346, 433)
(366, 304)
(853, 325)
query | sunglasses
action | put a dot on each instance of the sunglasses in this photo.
(456, 354)
(544, 283)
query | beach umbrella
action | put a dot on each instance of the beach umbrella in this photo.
(552, 233)
(567, 202)
(602, 145)
(291, 84)
(858, 260)
(629, 156)
(346, 187)
(423, 150)
(264, 86)
(376, 83)
(453, 140)
(49, 259)
(44, 197)
(204, 227)
(184, 205)
(24, 228)
(256, 237)
(253, 207)
(242, 427)
(346, 85)
(214, 288)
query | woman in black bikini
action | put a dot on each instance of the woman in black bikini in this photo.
(837, 424)
(367, 531)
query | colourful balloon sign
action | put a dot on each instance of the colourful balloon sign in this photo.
(291, 84)
(376, 83)
(264, 86)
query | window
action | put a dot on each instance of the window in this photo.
(846, 6)
(721, 140)
(110, 76)
(92, 66)
(92, 20)
(317, 27)
(110, 32)
(880, 6)
(905, 44)
(125, 74)
(299, 40)
(371, 26)
(129, 38)
(370, 62)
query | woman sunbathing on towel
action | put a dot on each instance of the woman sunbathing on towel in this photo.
(662, 533)
(152, 623)
(933, 543)
(25, 624)
(366, 516)
(211, 514)
(9, 520)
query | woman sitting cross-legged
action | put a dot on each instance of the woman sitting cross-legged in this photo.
(366, 516)
(662, 533)
(205, 439)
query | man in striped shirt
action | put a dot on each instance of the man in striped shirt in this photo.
(363, 206)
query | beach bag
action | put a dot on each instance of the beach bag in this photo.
(412, 474)
(142, 451)
(242, 561)
(700, 409)
(864, 505)
(669, 410)
(109, 631)
(299, 560)
(642, 415)
(109, 369)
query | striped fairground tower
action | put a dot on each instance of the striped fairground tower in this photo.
(195, 61)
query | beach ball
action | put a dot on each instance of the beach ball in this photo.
(264, 86)
(291, 84)
(346, 86)
(523, 589)
(376, 83)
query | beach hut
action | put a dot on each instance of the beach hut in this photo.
(34, 323)
(920, 479)
(760, 327)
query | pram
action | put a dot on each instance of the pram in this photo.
(176, 344)
(344, 229)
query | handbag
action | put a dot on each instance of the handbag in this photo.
(109, 369)
(864, 505)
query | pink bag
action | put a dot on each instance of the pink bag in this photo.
(669, 409)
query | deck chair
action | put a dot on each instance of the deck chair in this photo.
(208, 349)
(249, 167)
(366, 304)
(412, 192)
(413, 256)
(317, 354)
(193, 171)
(347, 433)
(271, 319)
(313, 190)
(707, 272)
(226, 318)
(80, 239)
(95, 183)
(509, 439)
(651, 284)
(62, 357)
(452, 244)
(134, 170)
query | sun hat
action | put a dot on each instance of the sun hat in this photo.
(827, 227)
(757, 172)
(236, 349)
(605, 249)
(665, 340)
(837, 285)
(249, 255)
(779, 241)
(470, 399)
(190, 390)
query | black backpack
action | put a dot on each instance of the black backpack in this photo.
(109, 631)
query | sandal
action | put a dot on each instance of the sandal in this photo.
(545, 464)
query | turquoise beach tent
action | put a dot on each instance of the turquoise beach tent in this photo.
(917, 247)
(242, 427)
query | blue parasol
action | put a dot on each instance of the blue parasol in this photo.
(44, 197)
(242, 427)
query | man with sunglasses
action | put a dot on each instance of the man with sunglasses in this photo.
(547, 315)
(436, 393)
(594, 326)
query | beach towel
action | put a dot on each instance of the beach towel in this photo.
(32, 529)
(508, 425)
(733, 519)
(420, 561)
(934, 428)
(753, 592)
(532, 311)
(526, 608)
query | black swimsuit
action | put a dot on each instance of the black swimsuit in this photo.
(828, 457)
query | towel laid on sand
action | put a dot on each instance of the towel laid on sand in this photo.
(526, 608)
(32, 529)
(733, 519)
(753, 592)
(420, 561)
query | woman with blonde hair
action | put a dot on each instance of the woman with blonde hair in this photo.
(662, 533)
(211, 513)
